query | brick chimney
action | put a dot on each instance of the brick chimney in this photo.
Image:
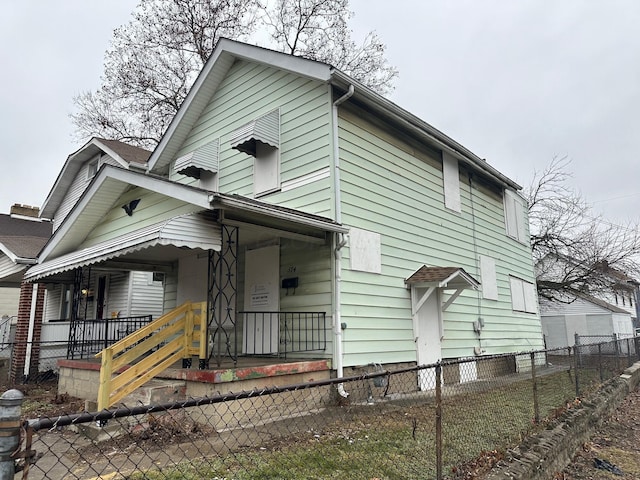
(24, 210)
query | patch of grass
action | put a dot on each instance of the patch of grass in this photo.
(396, 441)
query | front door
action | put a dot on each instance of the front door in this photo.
(428, 333)
(261, 301)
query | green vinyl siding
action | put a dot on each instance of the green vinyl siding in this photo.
(152, 208)
(249, 91)
(311, 263)
(395, 188)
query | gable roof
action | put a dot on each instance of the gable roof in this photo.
(442, 277)
(121, 152)
(21, 240)
(228, 51)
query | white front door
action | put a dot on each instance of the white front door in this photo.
(262, 296)
(427, 333)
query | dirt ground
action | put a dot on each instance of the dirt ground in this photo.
(615, 444)
(41, 399)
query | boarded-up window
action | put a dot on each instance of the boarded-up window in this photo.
(514, 214)
(488, 278)
(364, 251)
(261, 139)
(523, 295)
(451, 179)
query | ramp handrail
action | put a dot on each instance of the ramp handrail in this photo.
(147, 352)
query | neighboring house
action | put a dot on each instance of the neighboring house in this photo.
(609, 308)
(22, 236)
(99, 294)
(317, 218)
(592, 319)
(114, 294)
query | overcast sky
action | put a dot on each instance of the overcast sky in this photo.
(517, 82)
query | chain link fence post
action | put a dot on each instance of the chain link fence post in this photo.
(576, 362)
(600, 363)
(536, 407)
(10, 410)
(438, 421)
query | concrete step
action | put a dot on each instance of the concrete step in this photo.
(157, 391)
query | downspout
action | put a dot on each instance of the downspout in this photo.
(339, 242)
(32, 325)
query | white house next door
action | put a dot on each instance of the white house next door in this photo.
(427, 332)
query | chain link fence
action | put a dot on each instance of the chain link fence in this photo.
(436, 421)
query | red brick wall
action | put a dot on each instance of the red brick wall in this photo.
(16, 372)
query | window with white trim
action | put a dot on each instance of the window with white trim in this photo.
(92, 167)
(514, 216)
(451, 181)
(65, 301)
(523, 295)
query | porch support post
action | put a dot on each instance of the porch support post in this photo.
(28, 328)
(222, 324)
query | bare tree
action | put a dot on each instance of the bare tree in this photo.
(154, 59)
(318, 29)
(574, 251)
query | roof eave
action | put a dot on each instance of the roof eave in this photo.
(223, 56)
(417, 126)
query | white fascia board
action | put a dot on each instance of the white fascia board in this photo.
(223, 56)
(467, 279)
(16, 259)
(70, 169)
(127, 178)
(220, 202)
(421, 128)
(111, 153)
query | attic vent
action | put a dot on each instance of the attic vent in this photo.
(265, 129)
(202, 159)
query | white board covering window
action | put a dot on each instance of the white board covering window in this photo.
(364, 250)
(523, 295)
(260, 138)
(488, 278)
(514, 213)
(451, 180)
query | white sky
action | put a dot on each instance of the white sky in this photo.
(517, 82)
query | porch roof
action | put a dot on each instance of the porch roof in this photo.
(203, 233)
(442, 277)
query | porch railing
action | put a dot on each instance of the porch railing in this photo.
(150, 350)
(90, 336)
(283, 333)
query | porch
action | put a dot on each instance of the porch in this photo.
(79, 378)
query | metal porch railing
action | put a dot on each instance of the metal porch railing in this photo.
(89, 337)
(283, 333)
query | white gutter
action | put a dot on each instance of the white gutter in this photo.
(339, 242)
(32, 325)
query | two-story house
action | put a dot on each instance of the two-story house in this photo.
(317, 218)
